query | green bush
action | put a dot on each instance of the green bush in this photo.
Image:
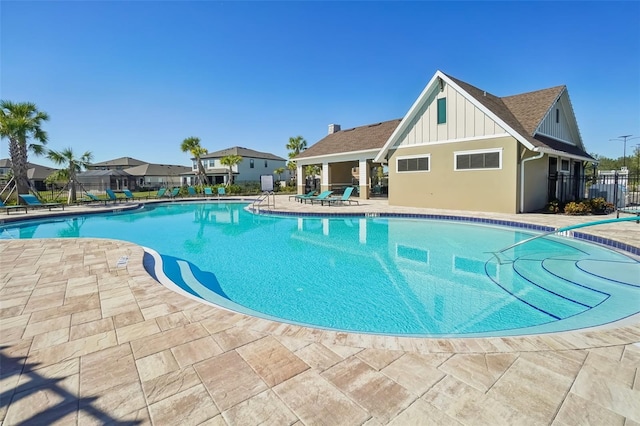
(601, 206)
(577, 208)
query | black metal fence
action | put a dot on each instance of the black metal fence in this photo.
(619, 188)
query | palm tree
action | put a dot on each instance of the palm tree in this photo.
(296, 146)
(72, 165)
(230, 161)
(192, 145)
(18, 123)
(279, 171)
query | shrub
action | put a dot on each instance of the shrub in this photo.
(577, 208)
(552, 207)
(600, 205)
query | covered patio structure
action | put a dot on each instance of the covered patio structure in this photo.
(346, 158)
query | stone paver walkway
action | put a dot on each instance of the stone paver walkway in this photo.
(87, 339)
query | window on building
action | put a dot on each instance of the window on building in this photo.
(478, 160)
(442, 110)
(557, 115)
(564, 165)
(413, 164)
(251, 165)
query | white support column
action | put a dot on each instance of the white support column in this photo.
(300, 180)
(325, 181)
(363, 168)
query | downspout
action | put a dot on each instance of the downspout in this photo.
(537, 157)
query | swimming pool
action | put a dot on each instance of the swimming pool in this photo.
(396, 276)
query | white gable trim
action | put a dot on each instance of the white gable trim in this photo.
(439, 75)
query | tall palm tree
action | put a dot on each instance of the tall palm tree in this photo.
(192, 145)
(72, 165)
(230, 161)
(296, 145)
(20, 122)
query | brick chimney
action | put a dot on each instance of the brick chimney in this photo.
(334, 128)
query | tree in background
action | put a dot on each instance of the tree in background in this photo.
(291, 165)
(20, 122)
(295, 146)
(230, 161)
(279, 171)
(192, 145)
(72, 166)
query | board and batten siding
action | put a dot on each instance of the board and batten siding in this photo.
(560, 129)
(464, 121)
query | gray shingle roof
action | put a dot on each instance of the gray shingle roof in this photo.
(243, 152)
(122, 161)
(157, 170)
(372, 136)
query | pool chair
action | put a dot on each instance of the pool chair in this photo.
(11, 208)
(175, 192)
(192, 191)
(112, 195)
(93, 199)
(341, 200)
(319, 198)
(221, 191)
(208, 192)
(160, 193)
(32, 201)
(128, 195)
(300, 197)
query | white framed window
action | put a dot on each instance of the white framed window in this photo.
(482, 159)
(413, 163)
(564, 166)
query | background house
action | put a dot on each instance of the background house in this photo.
(130, 173)
(253, 165)
(35, 173)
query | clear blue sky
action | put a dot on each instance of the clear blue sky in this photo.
(135, 78)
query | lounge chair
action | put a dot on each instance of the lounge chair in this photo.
(128, 195)
(208, 192)
(175, 192)
(341, 200)
(160, 193)
(192, 191)
(221, 191)
(11, 208)
(32, 201)
(320, 197)
(93, 199)
(112, 195)
(300, 197)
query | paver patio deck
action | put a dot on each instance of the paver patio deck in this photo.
(86, 339)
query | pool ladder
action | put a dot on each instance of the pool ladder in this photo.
(267, 199)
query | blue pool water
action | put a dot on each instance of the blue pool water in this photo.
(395, 276)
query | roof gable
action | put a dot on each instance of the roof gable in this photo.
(243, 152)
(122, 161)
(520, 115)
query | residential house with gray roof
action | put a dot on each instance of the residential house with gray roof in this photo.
(254, 164)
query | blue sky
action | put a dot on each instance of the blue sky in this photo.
(136, 78)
